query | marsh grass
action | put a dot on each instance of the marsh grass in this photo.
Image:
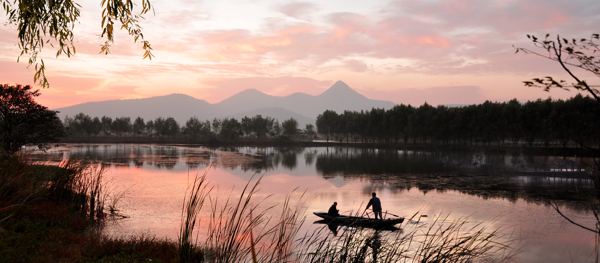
(238, 230)
(55, 213)
(439, 241)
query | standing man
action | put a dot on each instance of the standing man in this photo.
(376, 206)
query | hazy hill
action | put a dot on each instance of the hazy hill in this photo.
(338, 97)
(250, 102)
(179, 106)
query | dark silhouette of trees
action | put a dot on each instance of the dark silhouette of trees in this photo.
(309, 131)
(139, 126)
(230, 129)
(534, 123)
(290, 127)
(326, 123)
(193, 127)
(24, 121)
(121, 125)
(106, 124)
(544, 123)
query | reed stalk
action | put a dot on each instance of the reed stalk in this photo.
(194, 200)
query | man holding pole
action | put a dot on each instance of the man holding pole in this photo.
(376, 203)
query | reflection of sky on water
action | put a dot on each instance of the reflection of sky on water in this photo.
(155, 179)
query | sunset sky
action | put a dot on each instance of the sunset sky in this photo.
(442, 52)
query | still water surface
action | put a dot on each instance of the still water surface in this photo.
(511, 191)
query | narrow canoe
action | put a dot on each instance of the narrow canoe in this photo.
(360, 221)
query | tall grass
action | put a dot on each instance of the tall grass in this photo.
(81, 185)
(440, 241)
(193, 203)
(18, 184)
(238, 230)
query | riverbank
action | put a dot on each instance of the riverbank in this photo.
(56, 214)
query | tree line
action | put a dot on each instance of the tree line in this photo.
(534, 123)
(227, 129)
(541, 122)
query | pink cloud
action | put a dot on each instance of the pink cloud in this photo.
(299, 10)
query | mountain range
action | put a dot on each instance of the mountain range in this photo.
(303, 107)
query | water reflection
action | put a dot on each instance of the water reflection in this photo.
(481, 185)
(512, 176)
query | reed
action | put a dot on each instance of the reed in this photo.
(81, 185)
(238, 230)
(193, 202)
(440, 241)
(18, 184)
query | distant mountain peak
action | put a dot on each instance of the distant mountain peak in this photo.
(339, 88)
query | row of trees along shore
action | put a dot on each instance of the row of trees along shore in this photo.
(227, 129)
(534, 123)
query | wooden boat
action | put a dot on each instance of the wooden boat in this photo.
(360, 221)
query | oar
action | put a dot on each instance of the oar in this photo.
(391, 214)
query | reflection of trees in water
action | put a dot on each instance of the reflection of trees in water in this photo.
(268, 159)
(309, 156)
(342, 161)
(372, 161)
(575, 193)
(536, 179)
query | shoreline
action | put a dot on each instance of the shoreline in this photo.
(537, 150)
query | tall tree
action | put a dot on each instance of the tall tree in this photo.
(138, 125)
(24, 121)
(326, 123)
(290, 127)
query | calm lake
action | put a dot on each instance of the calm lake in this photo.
(512, 191)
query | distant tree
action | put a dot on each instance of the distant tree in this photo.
(96, 126)
(106, 125)
(81, 124)
(290, 127)
(309, 130)
(216, 125)
(261, 126)
(160, 126)
(273, 127)
(121, 125)
(230, 129)
(138, 125)
(193, 127)
(150, 127)
(246, 125)
(171, 127)
(24, 121)
(326, 123)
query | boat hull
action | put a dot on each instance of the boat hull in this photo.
(360, 221)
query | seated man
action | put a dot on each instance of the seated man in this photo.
(333, 211)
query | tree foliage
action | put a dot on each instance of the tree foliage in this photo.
(43, 22)
(574, 53)
(24, 121)
(541, 122)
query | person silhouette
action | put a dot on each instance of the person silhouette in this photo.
(376, 203)
(333, 211)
